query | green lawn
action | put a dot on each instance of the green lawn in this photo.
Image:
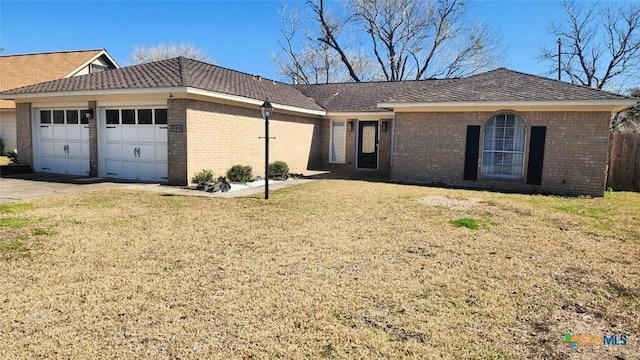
(328, 269)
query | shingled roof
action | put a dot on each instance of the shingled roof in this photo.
(179, 72)
(501, 85)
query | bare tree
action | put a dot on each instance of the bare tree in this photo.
(600, 44)
(141, 55)
(391, 40)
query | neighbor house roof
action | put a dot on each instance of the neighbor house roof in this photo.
(27, 69)
(179, 72)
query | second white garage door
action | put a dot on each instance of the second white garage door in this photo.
(136, 144)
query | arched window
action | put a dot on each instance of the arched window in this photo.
(503, 149)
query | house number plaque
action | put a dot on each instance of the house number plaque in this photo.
(177, 128)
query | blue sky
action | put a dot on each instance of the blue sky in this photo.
(241, 35)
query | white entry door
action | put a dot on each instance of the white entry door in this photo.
(64, 142)
(136, 144)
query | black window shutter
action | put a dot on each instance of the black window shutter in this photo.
(471, 153)
(536, 155)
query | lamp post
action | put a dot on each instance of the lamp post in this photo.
(266, 109)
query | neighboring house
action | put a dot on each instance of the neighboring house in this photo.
(167, 120)
(27, 69)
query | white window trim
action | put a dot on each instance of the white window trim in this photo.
(344, 142)
(520, 176)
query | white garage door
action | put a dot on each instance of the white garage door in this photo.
(64, 142)
(136, 144)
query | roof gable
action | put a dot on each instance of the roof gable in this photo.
(27, 69)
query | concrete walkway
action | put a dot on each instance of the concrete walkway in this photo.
(40, 185)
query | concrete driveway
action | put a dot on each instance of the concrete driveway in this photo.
(40, 185)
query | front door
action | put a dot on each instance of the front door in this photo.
(368, 145)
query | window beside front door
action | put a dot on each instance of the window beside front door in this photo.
(503, 147)
(337, 142)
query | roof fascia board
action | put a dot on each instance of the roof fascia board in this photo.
(360, 114)
(55, 94)
(585, 105)
(252, 102)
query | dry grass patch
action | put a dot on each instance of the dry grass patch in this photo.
(334, 269)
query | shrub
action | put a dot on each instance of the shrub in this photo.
(203, 178)
(1, 147)
(240, 173)
(278, 169)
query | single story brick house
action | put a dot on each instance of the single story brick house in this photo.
(167, 120)
(27, 69)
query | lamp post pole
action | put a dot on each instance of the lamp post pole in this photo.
(266, 109)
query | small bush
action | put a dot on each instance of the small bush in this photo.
(240, 173)
(203, 178)
(278, 169)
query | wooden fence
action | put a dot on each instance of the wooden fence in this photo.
(624, 162)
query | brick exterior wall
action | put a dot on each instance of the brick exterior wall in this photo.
(218, 136)
(93, 140)
(23, 133)
(430, 148)
(8, 130)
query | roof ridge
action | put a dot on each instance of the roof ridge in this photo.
(53, 52)
(183, 71)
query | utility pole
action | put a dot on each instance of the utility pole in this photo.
(559, 59)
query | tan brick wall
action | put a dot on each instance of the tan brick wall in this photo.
(219, 136)
(177, 141)
(23, 133)
(8, 130)
(93, 140)
(430, 147)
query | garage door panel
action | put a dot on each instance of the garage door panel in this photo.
(161, 134)
(47, 163)
(84, 133)
(113, 167)
(112, 133)
(129, 152)
(60, 132)
(146, 133)
(161, 152)
(59, 148)
(46, 147)
(46, 132)
(74, 133)
(147, 171)
(75, 167)
(129, 133)
(128, 168)
(146, 152)
(113, 151)
(162, 170)
(74, 149)
(84, 146)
